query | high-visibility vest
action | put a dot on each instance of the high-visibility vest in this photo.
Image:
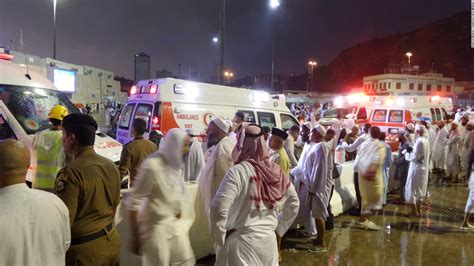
(49, 158)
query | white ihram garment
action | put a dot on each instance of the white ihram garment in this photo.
(417, 180)
(194, 161)
(453, 165)
(254, 241)
(356, 147)
(302, 189)
(439, 149)
(319, 177)
(160, 194)
(34, 227)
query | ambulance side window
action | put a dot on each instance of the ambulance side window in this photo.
(379, 115)
(144, 112)
(249, 116)
(445, 114)
(266, 119)
(5, 131)
(287, 121)
(124, 122)
(438, 114)
(433, 116)
(395, 116)
(362, 114)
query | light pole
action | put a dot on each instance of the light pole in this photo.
(221, 41)
(54, 29)
(228, 76)
(312, 64)
(409, 55)
(215, 41)
(274, 4)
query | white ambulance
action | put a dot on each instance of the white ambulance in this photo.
(393, 113)
(25, 101)
(173, 103)
(356, 106)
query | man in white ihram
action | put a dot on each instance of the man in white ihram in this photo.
(417, 181)
(34, 225)
(194, 161)
(244, 212)
(439, 150)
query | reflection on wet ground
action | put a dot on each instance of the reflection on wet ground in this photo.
(434, 239)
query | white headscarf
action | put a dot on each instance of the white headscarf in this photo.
(171, 148)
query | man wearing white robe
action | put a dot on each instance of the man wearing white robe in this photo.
(194, 161)
(468, 147)
(319, 177)
(439, 149)
(453, 163)
(464, 153)
(352, 148)
(157, 203)
(289, 144)
(34, 224)
(244, 212)
(417, 180)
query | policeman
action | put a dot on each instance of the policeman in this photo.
(135, 151)
(48, 148)
(89, 185)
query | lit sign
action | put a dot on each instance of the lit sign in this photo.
(65, 80)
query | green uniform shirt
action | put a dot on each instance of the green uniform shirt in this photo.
(90, 187)
(133, 155)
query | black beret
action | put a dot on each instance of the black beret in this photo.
(280, 133)
(78, 120)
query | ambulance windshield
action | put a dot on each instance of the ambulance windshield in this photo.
(30, 106)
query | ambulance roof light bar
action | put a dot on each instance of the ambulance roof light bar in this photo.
(8, 57)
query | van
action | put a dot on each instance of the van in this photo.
(26, 97)
(173, 103)
(356, 106)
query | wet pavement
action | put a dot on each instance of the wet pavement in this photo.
(434, 239)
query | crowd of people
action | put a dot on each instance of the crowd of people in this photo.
(254, 183)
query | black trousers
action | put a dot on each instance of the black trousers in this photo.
(330, 219)
(356, 185)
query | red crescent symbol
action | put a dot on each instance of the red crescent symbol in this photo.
(207, 118)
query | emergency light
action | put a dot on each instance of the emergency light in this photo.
(7, 57)
(133, 90)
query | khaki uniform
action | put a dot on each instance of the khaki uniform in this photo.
(133, 155)
(90, 187)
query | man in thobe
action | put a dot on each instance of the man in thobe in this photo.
(352, 148)
(289, 144)
(439, 150)
(319, 177)
(34, 225)
(417, 181)
(453, 164)
(303, 138)
(194, 161)
(278, 154)
(157, 204)
(386, 166)
(470, 199)
(410, 131)
(464, 154)
(371, 158)
(301, 185)
(468, 146)
(244, 216)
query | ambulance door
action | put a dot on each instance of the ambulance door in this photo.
(379, 118)
(361, 116)
(433, 115)
(445, 115)
(287, 121)
(124, 128)
(144, 111)
(395, 120)
(438, 115)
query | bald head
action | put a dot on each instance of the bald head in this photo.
(14, 163)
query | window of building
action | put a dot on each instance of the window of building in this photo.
(389, 84)
(420, 87)
(439, 88)
(384, 85)
(448, 88)
(428, 87)
(412, 86)
(399, 85)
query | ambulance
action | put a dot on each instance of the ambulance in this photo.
(26, 98)
(355, 106)
(393, 113)
(173, 103)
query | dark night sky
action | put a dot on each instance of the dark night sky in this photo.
(107, 33)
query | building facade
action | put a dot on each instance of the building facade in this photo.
(142, 66)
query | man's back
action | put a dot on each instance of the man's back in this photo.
(50, 158)
(133, 155)
(34, 227)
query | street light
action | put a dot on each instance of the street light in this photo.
(54, 29)
(215, 40)
(274, 4)
(312, 64)
(228, 76)
(409, 55)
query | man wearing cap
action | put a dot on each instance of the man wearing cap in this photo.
(89, 185)
(410, 131)
(194, 161)
(318, 176)
(417, 181)
(134, 152)
(278, 154)
(48, 151)
(155, 137)
(439, 150)
(303, 138)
